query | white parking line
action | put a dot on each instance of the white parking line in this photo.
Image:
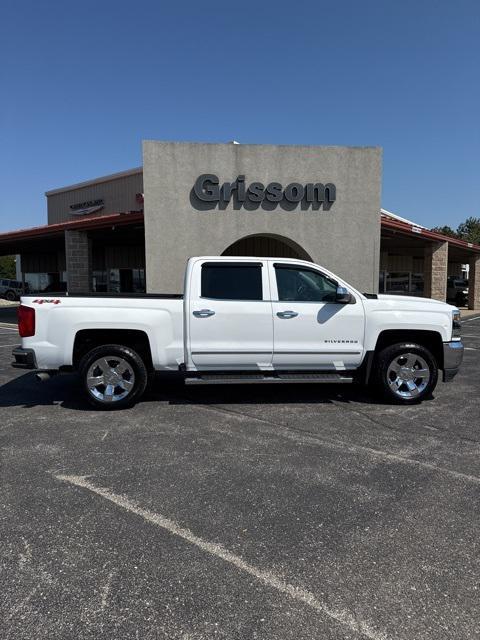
(268, 578)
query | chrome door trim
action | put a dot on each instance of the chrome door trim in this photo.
(241, 353)
(318, 353)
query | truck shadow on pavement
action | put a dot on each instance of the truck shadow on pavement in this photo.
(65, 390)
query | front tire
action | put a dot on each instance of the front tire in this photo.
(406, 373)
(11, 296)
(113, 376)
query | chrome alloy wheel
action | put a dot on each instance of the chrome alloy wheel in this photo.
(408, 375)
(110, 379)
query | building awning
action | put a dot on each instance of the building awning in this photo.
(13, 242)
(461, 250)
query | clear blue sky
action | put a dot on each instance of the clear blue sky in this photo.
(82, 83)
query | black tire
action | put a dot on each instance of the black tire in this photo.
(11, 295)
(128, 387)
(401, 356)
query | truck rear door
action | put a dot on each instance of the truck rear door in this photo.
(229, 315)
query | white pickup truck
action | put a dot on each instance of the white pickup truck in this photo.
(243, 320)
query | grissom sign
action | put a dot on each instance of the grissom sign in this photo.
(207, 188)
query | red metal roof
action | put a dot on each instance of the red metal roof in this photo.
(98, 222)
(412, 230)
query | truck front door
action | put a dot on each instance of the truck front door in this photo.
(229, 316)
(311, 330)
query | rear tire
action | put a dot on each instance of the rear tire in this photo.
(11, 296)
(406, 373)
(113, 377)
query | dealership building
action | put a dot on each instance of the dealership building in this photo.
(134, 231)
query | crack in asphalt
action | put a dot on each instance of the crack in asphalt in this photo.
(341, 444)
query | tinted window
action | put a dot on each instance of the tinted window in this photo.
(232, 282)
(304, 285)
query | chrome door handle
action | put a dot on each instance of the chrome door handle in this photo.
(204, 313)
(287, 314)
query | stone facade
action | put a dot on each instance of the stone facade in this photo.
(436, 266)
(474, 283)
(78, 261)
(342, 235)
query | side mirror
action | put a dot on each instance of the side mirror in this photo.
(343, 296)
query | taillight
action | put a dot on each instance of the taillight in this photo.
(26, 321)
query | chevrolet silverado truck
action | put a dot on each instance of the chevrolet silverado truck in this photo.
(243, 320)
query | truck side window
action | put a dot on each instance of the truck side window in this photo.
(296, 284)
(232, 282)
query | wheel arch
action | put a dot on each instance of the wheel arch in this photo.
(431, 340)
(87, 339)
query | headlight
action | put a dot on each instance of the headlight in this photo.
(456, 325)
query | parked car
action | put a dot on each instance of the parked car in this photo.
(11, 289)
(243, 320)
(457, 290)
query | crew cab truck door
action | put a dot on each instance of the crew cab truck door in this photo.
(229, 316)
(311, 329)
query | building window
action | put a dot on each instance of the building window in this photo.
(119, 281)
(126, 280)
(417, 283)
(100, 281)
(401, 283)
(45, 282)
(398, 282)
(138, 280)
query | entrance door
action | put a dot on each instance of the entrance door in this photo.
(311, 330)
(230, 316)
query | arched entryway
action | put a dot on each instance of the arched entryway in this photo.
(267, 246)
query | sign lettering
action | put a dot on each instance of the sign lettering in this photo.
(207, 188)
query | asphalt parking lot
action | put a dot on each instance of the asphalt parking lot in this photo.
(239, 512)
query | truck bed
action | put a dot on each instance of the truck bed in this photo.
(61, 320)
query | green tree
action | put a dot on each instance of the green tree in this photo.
(470, 230)
(7, 267)
(446, 231)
